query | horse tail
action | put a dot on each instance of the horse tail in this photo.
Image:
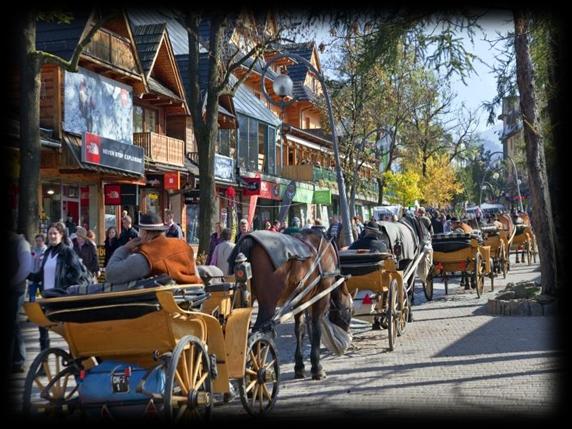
(245, 246)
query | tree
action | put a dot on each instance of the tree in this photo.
(224, 59)
(440, 184)
(31, 61)
(402, 188)
(542, 219)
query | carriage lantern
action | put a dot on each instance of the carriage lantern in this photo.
(242, 269)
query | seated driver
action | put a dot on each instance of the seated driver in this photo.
(152, 253)
(370, 239)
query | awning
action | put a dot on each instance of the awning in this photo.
(191, 167)
(158, 167)
(73, 143)
(306, 143)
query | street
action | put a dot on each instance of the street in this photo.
(453, 360)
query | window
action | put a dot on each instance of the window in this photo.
(137, 119)
(242, 141)
(150, 120)
(270, 151)
(223, 146)
(144, 120)
(252, 144)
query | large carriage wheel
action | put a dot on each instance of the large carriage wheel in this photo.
(404, 312)
(259, 387)
(188, 388)
(392, 315)
(477, 279)
(428, 285)
(51, 384)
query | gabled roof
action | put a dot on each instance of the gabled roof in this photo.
(147, 39)
(298, 72)
(177, 33)
(61, 39)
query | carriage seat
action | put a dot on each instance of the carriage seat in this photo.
(451, 242)
(358, 262)
(85, 309)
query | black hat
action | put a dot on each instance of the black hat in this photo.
(151, 222)
(372, 225)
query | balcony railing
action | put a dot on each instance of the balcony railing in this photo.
(112, 49)
(160, 148)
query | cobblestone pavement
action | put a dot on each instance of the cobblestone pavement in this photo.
(453, 360)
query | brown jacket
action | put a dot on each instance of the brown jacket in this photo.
(171, 256)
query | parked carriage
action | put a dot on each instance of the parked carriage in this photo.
(382, 282)
(151, 350)
(460, 252)
(498, 240)
(525, 242)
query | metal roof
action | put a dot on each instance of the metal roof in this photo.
(147, 40)
(246, 103)
(298, 72)
(156, 86)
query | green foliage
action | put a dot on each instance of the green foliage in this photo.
(402, 188)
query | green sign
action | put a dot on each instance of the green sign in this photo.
(323, 197)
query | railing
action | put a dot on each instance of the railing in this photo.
(160, 148)
(112, 49)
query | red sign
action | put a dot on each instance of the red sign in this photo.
(251, 185)
(112, 195)
(269, 190)
(172, 181)
(92, 148)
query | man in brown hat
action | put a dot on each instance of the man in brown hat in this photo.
(152, 254)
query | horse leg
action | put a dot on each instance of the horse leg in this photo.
(317, 371)
(298, 354)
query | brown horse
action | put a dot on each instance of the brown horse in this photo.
(272, 287)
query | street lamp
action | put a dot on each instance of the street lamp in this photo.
(518, 182)
(283, 87)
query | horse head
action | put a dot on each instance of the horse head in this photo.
(341, 307)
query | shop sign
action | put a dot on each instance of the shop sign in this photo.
(172, 181)
(224, 167)
(112, 195)
(303, 196)
(154, 181)
(269, 190)
(323, 197)
(112, 154)
(250, 185)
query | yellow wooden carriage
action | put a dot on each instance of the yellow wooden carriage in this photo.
(460, 252)
(158, 330)
(525, 241)
(378, 290)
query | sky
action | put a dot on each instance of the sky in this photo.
(481, 84)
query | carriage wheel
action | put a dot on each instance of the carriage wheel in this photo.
(51, 384)
(404, 312)
(492, 276)
(428, 286)
(259, 387)
(392, 315)
(477, 279)
(188, 390)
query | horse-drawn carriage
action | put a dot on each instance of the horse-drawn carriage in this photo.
(153, 349)
(382, 282)
(524, 240)
(460, 252)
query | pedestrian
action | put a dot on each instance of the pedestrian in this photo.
(70, 225)
(20, 265)
(34, 288)
(214, 240)
(421, 214)
(152, 253)
(294, 227)
(111, 243)
(275, 226)
(267, 225)
(242, 229)
(87, 252)
(127, 232)
(222, 252)
(174, 230)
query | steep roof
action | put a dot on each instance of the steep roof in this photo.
(246, 103)
(298, 72)
(61, 39)
(147, 39)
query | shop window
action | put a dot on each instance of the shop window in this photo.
(223, 147)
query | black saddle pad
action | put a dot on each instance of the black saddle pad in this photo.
(281, 247)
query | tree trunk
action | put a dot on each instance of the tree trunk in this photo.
(542, 220)
(30, 149)
(380, 184)
(207, 139)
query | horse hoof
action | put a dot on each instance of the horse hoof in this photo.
(319, 376)
(299, 374)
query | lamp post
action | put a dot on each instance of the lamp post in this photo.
(515, 175)
(283, 87)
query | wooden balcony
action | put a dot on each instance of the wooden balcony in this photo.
(160, 148)
(112, 49)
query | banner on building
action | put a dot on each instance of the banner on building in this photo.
(287, 200)
(112, 195)
(269, 190)
(323, 197)
(250, 185)
(113, 154)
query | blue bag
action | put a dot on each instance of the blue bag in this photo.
(113, 384)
